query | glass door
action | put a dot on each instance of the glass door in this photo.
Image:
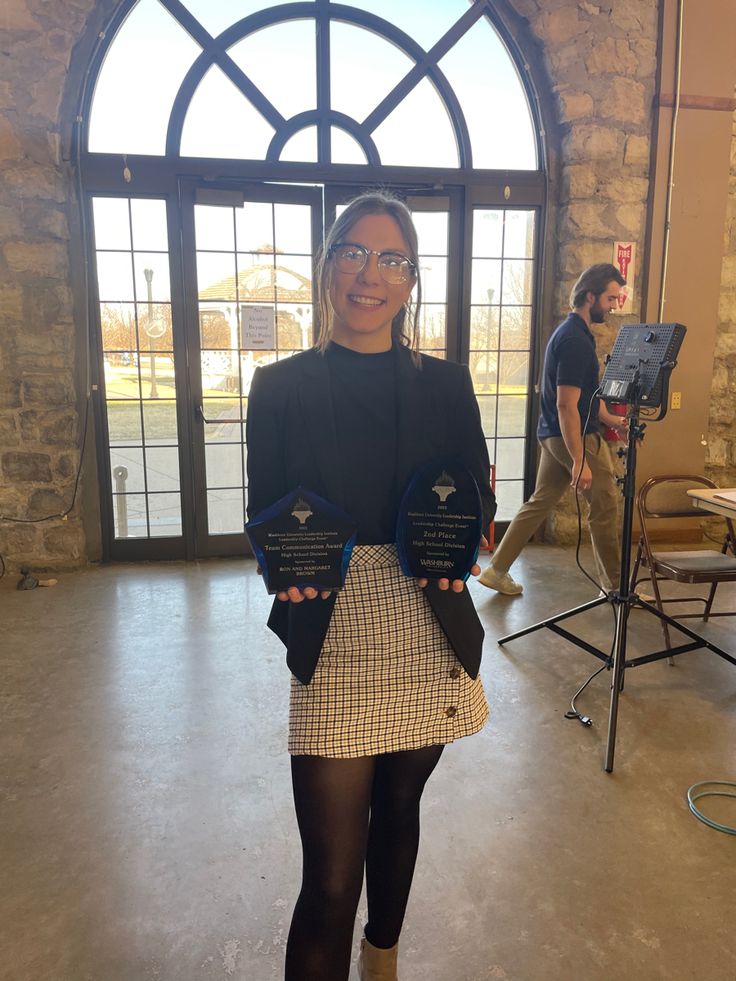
(502, 278)
(248, 264)
(137, 377)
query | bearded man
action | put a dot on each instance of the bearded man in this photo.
(573, 450)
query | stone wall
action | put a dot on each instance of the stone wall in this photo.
(721, 452)
(40, 387)
(601, 58)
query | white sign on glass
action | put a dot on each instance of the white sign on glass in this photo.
(257, 328)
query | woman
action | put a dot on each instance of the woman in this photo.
(385, 672)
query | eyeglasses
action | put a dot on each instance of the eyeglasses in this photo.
(393, 267)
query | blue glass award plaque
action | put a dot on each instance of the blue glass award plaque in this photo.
(302, 540)
(439, 523)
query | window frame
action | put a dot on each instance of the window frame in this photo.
(143, 175)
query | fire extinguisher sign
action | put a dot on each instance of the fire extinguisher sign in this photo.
(624, 259)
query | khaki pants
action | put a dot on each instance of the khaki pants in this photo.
(553, 478)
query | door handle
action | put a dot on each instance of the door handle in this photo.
(199, 413)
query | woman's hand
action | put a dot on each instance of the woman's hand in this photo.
(457, 585)
(295, 595)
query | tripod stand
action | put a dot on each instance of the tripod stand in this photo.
(623, 601)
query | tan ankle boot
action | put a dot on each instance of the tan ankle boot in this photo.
(377, 964)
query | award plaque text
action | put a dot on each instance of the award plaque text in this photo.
(302, 540)
(440, 522)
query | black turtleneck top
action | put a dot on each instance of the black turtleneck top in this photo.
(364, 405)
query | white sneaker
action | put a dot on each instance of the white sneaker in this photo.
(501, 582)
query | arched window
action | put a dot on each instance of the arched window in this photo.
(216, 150)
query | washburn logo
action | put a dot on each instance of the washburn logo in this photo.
(444, 486)
(301, 511)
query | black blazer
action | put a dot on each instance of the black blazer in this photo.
(292, 440)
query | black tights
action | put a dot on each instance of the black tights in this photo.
(353, 813)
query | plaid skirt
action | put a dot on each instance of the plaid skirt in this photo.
(387, 678)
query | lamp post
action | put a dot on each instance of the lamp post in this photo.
(150, 331)
(491, 292)
(120, 475)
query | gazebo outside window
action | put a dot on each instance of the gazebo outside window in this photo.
(215, 154)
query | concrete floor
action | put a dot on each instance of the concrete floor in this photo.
(146, 825)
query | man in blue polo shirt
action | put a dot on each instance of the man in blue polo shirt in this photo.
(572, 448)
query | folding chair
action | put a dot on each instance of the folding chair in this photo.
(666, 497)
